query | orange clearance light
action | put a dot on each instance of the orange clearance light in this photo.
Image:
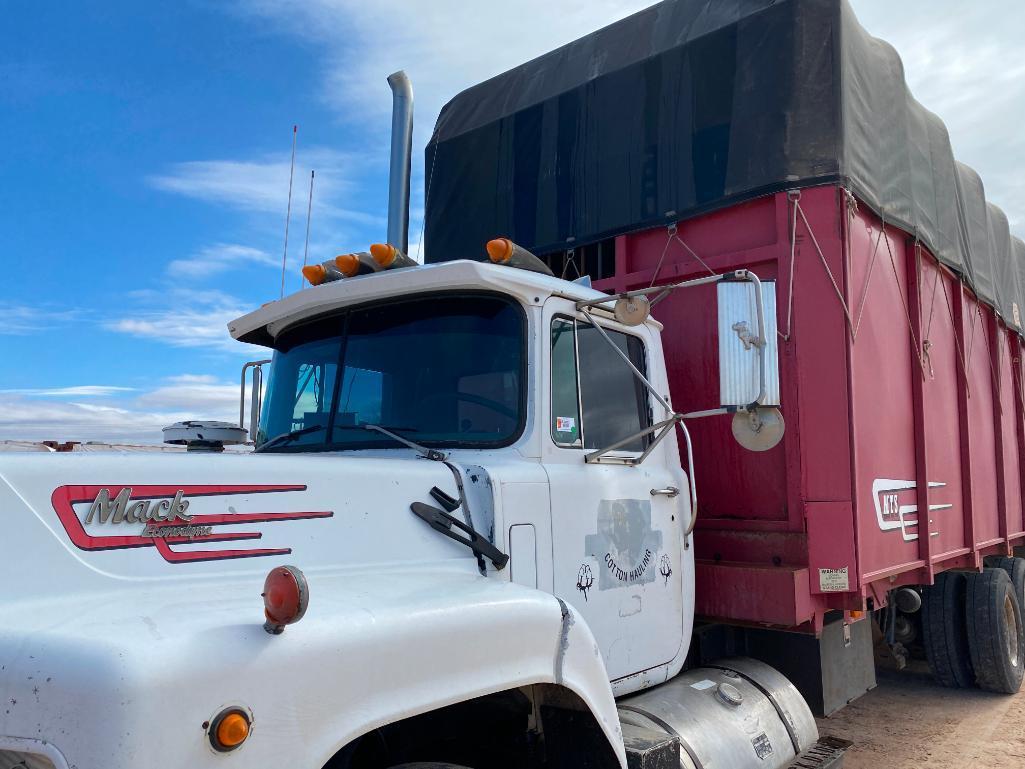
(229, 729)
(286, 595)
(315, 274)
(500, 250)
(384, 253)
(348, 264)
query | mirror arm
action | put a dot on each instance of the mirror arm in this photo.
(661, 427)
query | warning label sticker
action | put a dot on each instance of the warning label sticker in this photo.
(833, 580)
(565, 424)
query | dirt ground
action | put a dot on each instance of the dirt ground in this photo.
(908, 722)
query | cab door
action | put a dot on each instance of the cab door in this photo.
(617, 528)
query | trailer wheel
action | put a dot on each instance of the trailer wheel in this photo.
(995, 636)
(428, 765)
(1015, 568)
(945, 632)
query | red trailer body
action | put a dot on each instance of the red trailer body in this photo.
(901, 392)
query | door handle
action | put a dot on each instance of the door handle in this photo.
(668, 491)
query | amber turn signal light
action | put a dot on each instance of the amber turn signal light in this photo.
(500, 250)
(285, 598)
(229, 729)
(315, 274)
(348, 264)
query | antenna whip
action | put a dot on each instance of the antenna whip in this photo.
(288, 212)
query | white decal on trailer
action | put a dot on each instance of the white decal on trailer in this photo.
(892, 515)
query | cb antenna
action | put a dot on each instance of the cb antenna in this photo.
(309, 211)
(288, 212)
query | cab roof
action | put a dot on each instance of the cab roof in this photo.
(262, 326)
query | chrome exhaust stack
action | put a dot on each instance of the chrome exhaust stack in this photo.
(401, 158)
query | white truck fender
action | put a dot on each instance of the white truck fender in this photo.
(129, 678)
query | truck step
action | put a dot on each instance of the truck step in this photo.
(827, 753)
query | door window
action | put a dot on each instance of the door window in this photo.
(596, 399)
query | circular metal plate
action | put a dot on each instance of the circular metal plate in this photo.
(632, 310)
(760, 430)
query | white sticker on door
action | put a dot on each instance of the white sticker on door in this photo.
(565, 424)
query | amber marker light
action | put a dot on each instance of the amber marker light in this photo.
(384, 253)
(500, 250)
(315, 274)
(348, 264)
(229, 729)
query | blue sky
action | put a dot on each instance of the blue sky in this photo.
(145, 168)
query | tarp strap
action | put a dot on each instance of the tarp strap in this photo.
(571, 258)
(954, 330)
(927, 336)
(794, 196)
(671, 235)
(991, 356)
(864, 291)
(903, 301)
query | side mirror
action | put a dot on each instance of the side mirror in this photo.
(741, 352)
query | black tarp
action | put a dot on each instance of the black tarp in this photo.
(692, 105)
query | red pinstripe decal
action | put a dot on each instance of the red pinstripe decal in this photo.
(65, 497)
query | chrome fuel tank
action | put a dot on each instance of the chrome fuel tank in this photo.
(733, 714)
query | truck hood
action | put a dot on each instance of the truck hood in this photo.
(88, 522)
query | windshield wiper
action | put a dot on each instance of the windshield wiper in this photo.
(280, 440)
(437, 456)
(442, 521)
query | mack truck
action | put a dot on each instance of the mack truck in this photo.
(711, 382)
(468, 502)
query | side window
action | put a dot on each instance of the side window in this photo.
(613, 400)
(565, 401)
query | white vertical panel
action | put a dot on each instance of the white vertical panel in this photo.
(738, 362)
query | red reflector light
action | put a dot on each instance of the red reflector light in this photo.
(285, 598)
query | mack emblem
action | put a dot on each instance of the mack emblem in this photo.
(163, 514)
(142, 510)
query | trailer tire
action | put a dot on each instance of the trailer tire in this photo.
(428, 765)
(995, 636)
(945, 631)
(1015, 568)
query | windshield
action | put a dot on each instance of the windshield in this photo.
(443, 371)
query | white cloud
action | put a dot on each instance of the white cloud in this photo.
(30, 419)
(219, 258)
(20, 319)
(187, 318)
(47, 415)
(260, 185)
(79, 391)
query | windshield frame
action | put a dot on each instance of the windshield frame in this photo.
(342, 315)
